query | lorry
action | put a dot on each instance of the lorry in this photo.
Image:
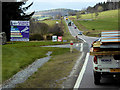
(106, 52)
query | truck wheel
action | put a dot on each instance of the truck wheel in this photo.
(97, 78)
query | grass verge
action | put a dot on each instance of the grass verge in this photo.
(14, 59)
(32, 43)
(67, 35)
(106, 21)
(18, 55)
(52, 73)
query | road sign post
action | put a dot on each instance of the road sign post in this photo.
(71, 46)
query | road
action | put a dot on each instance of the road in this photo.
(87, 80)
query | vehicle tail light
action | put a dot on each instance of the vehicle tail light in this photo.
(95, 60)
(96, 68)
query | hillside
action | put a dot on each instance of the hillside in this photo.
(54, 12)
(107, 20)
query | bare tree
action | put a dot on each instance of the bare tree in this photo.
(78, 15)
(96, 14)
(100, 9)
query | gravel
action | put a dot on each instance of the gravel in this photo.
(23, 75)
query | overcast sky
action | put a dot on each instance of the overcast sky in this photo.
(39, 5)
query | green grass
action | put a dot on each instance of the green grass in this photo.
(18, 55)
(51, 74)
(32, 43)
(39, 17)
(107, 20)
(67, 35)
(14, 59)
(50, 22)
(102, 15)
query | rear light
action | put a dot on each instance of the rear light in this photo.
(96, 68)
(95, 60)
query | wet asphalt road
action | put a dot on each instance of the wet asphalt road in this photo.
(88, 79)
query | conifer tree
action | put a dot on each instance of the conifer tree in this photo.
(13, 11)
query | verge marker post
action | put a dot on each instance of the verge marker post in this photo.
(71, 46)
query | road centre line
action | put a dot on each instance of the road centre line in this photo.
(79, 79)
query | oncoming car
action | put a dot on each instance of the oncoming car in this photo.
(80, 33)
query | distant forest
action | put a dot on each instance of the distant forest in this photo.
(103, 6)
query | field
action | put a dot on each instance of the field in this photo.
(32, 43)
(18, 55)
(67, 36)
(39, 17)
(50, 22)
(53, 73)
(107, 20)
(21, 54)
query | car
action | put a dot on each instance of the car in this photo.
(75, 27)
(80, 33)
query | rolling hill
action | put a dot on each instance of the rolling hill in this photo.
(107, 20)
(54, 12)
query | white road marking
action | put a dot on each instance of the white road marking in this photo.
(77, 45)
(79, 79)
(82, 39)
(81, 47)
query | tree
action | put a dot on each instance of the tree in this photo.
(109, 5)
(56, 30)
(58, 16)
(96, 14)
(43, 28)
(99, 9)
(90, 10)
(72, 13)
(13, 11)
(38, 28)
(78, 15)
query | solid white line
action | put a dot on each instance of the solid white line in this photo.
(79, 79)
(81, 47)
(82, 39)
